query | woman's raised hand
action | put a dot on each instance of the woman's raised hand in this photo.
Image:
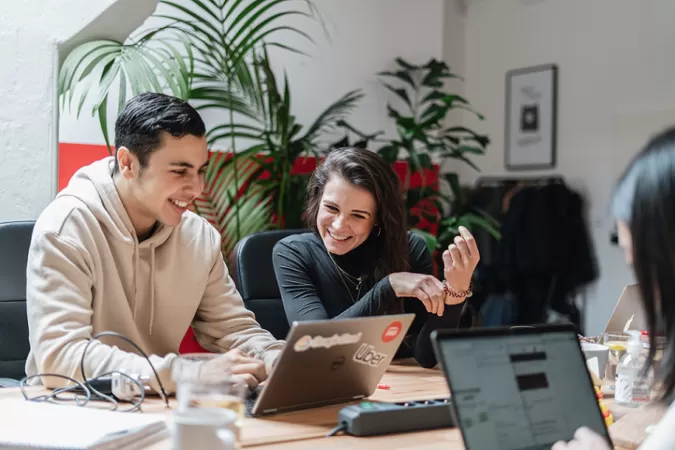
(460, 260)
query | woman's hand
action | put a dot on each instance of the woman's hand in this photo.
(427, 288)
(584, 439)
(460, 260)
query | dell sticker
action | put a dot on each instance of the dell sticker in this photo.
(306, 342)
(392, 331)
(366, 354)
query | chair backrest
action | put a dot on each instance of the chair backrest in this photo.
(253, 273)
(14, 346)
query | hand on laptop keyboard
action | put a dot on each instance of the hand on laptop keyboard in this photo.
(245, 369)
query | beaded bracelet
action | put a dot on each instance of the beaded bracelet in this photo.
(468, 293)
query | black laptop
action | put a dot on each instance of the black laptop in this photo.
(520, 388)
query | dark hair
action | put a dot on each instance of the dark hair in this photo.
(140, 124)
(369, 171)
(644, 199)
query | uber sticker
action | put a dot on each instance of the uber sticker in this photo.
(366, 354)
(306, 342)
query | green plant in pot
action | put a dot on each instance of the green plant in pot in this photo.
(277, 141)
(424, 139)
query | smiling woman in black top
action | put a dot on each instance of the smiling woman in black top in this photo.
(360, 260)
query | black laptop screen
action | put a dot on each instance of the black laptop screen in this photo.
(521, 391)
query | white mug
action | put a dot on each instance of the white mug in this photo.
(204, 429)
(601, 352)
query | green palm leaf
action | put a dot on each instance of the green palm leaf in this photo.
(135, 66)
(222, 201)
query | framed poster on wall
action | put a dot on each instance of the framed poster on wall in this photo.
(531, 104)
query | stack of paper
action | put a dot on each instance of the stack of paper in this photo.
(32, 425)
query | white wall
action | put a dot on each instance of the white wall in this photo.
(363, 37)
(31, 31)
(616, 84)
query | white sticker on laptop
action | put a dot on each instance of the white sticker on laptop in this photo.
(306, 342)
(366, 354)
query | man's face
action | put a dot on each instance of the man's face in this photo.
(173, 178)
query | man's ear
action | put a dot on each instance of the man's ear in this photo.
(127, 163)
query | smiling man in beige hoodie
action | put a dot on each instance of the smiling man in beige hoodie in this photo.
(118, 250)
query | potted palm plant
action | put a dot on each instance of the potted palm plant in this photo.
(425, 142)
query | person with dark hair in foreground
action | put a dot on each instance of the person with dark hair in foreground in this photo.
(644, 207)
(118, 250)
(360, 260)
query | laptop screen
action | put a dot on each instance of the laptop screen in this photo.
(519, 391)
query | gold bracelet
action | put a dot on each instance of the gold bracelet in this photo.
(452, 293)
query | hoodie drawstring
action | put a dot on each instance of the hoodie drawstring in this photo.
(152, 287)
(136, 264)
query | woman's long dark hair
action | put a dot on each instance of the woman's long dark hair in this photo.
(644, 199)
(369, 171)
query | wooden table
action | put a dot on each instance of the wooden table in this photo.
(307, 429)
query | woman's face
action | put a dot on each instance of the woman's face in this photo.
(625, 241)
(346, 215)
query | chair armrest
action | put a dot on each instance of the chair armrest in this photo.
(9, 382)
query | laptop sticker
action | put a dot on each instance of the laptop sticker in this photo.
(306, 342)
(339, 362)
(366, 354)
(392, 331)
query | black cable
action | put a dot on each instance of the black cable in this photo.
(341, 427)
(54, 395)
(162, 392)
(83, 390)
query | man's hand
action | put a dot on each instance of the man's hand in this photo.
(242, 368)
(246, 369)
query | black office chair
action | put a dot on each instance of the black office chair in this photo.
(14, 346)
(253, 274)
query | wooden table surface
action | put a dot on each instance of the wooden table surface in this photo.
(307, 429)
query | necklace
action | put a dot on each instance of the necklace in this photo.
(356, 281)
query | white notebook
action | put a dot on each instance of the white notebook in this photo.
(31, 425)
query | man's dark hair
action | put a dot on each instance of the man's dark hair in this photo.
(140, 124)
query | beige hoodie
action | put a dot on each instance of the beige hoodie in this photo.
(87, 273)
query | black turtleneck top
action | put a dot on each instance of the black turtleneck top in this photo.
(313, 288)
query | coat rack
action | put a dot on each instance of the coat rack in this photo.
(512, 181)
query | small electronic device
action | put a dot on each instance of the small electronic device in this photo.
(374, 418)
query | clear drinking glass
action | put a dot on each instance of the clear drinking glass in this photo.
(203, 380)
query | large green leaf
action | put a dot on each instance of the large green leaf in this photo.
(234, 209)
(137, 67)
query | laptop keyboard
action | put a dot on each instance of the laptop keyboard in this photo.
(251, 399)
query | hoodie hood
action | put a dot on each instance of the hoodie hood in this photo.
(94, 186)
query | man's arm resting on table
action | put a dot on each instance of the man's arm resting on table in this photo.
(223, 322)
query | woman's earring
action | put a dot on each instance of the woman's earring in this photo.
(379, 230)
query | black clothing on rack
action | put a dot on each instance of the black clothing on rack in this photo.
(544, 255)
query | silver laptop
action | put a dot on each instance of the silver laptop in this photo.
(523, 388)
(331, 361)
